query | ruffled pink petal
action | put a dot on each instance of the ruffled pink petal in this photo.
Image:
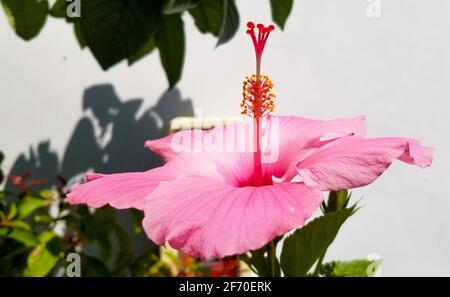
(287, 140)
(352, 162)
(206, 218)
(121, 190)
(299, 137)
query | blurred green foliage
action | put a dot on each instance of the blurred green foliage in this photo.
(117, 30)
(38, 230)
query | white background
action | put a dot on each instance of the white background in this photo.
(331, 61)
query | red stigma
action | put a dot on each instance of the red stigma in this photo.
(259, 39)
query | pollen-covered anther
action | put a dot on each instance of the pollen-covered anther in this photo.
(258, 100)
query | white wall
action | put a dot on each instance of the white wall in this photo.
(331, 61)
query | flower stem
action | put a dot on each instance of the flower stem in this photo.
(272, 258)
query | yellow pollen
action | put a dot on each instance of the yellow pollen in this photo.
(257, 96)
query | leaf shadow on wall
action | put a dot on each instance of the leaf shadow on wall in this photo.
(108, 138)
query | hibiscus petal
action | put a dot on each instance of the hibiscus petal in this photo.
(352, 162)
(299, 136)
(206, 218)
(120, 190)
(230, 147)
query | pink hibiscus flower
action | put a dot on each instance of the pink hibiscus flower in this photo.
(215, 198)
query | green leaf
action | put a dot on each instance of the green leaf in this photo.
(79, 35)
(125, 252)
(93, 267)
(280, 11)
(115, 30)
(29, 204)
(44, 257)
(304, 247)
(353, 268)
(26, 17)
(218, 17)
(59, 9)
(209, 15)
(170, 42)
(178, 6)
(65, 9)
(12, 212)
(17, 224)
(25, 237)
(148, 47)
(256, 261)
(230, 23)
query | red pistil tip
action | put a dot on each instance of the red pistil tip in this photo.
(258, 99)
(260, 38)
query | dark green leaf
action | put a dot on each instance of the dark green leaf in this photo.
(209, 15)
(256, 261)
(353, 268)
(93, 267)
(79, 35)
(148, 47)
(170, 42)
(280, 11)
(230, 22)
(29, 204)
(178, 6)
(115, 30)
(26, 17)
(125, 249)
(59, 9)
(304, 247)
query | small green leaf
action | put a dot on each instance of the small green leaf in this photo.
(26, 17)
(44, 257)
(17, 224)
(12, 212)
(178, 6)
(280, 11)
(170, 42)
(306, 245)
(353, 268)
(3, 231)
(59, 9)
(23, 236)
(230, 23)
(29, 204)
